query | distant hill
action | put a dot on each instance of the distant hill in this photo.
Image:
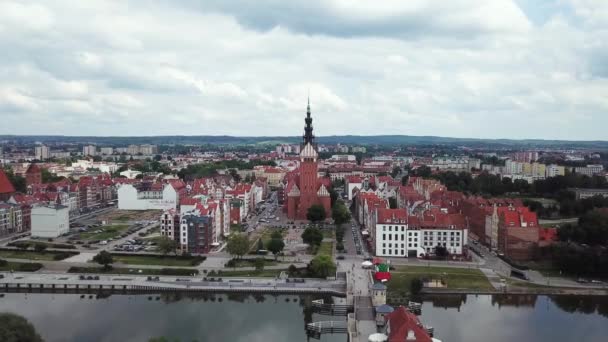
(333, 139)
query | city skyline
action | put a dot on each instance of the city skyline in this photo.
(468, 69)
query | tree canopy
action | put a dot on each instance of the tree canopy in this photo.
(322, 266)
(316, 213)
(340, 213)
(14, 328)
(237, 245)
(312, 236)
(104, 258)
(275, 246)
(166, 245)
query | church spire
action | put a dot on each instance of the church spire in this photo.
(308, 136)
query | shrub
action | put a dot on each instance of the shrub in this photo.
(29, 267)
(3, 263)
(416, 286)
(178, 271)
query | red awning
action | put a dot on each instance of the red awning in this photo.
(377, 261)
(382, 276)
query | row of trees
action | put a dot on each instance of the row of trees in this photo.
(592, 229)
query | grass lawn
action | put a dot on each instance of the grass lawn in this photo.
(251, 263)
(265, 238)
(326, 248)
(545, 268)
(252, 273)
(519, 283)
(147, 260)
(456, 278)
(28, 255)
(328, 233)
(108, 232)
(21, 267)
(135, 271)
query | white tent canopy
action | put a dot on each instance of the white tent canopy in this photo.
(367, 264)
(377, 338)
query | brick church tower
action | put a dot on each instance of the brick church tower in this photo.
(306, 188)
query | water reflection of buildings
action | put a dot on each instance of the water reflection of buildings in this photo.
(514, 300)
(453, 301)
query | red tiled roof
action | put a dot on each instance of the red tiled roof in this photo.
(6, 187)
(392, 216)
(403, 323)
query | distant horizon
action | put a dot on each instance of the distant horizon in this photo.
(291, 137)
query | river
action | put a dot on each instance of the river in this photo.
(236, 318)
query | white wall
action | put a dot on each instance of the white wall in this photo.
(127, 199)
(49, 222)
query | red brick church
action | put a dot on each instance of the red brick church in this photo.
(304, 187)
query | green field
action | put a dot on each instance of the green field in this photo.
(20, 266)
(265, 238)
(150, 260)
(456, 278)
(328, 234)
(252, 273)
(28, 255)
(108, 232)
(135, 271)
(326, 248)
(251, 263)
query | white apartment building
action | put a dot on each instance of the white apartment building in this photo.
(399, 235)
(90, 150)
(553, 170)
(159, 197)
(42, 152)
(11, 219)
(50, 221)
(106, 150)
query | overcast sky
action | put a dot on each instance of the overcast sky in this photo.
(458, 68)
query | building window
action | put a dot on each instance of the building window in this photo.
(390, 228)
(402, 229)
(383, 236)
(383, 251)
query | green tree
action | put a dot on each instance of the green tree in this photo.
(259, 264)
(260, 244)
(14, 328)
(316, 213)
(404, 180)
(40, 247)
(104, 258)
(340, 213)
(237, 245)
(416, 286)
(166, 245)
(275, 246)
(48, 177)
(322, 266)
(441, 251)
(396, 171)
(392, 202)
(312, 236)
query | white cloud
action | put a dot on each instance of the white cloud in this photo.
(468, 68)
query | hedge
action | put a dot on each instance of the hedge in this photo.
(29, 244)
(29, 267)
(56, 255)
(194, 259)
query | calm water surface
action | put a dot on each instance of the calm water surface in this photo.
(236, 318)
(517, 318)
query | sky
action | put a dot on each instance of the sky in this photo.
(460, 68)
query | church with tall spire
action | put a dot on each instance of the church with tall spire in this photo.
(304, 187)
